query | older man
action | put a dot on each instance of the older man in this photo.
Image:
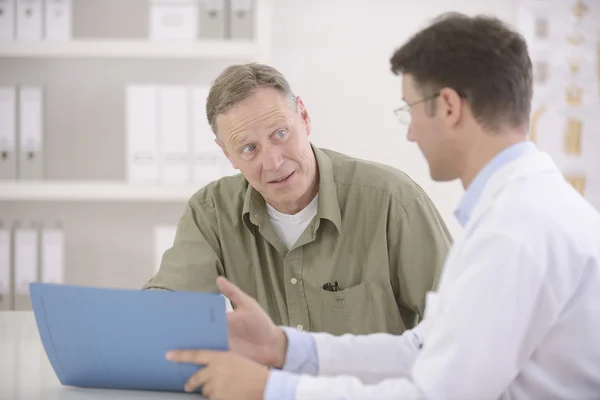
(517, 312)
(323, 241)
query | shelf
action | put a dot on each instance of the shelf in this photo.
(94, 191)
(225, 49)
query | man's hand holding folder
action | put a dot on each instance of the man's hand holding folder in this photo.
(255, 342)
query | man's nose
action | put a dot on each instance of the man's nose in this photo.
(272, 160)
(410, 136)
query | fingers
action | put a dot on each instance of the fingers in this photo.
(200, 378)
(232, 292)
(200, 357)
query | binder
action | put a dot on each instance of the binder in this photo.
(174, 134)
(57, 17)
(30, 142)
(7, 20)
(8, 133)
(172, 20)
(26, 264)
(29, 20)
(241, 16)
(142, 133)
(52, 255)
(6, 293)
(206, 165)
(212, 19)
(164, 236)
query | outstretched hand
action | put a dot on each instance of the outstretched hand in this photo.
(255, 343)
(252, 333)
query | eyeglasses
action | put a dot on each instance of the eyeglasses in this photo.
(404, 113)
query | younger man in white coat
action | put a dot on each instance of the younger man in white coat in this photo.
(517, 314)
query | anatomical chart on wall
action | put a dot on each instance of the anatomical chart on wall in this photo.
(564, 43)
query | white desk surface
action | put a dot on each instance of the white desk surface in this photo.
(26, 373)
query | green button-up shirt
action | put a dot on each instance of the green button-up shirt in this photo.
(376, 233)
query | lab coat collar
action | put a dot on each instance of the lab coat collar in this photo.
(473, 192)
(526, 166)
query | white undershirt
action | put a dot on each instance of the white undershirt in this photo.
(290, 227)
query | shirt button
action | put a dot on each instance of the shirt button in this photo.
(294, 281)
(300, 327)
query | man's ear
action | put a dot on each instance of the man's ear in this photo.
(304, 115)
(451, 106)
(222, 146)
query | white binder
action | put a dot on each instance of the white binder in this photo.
(173, 20)
(164, 236)
(29, 20)
(213, 17)
(57, 17)
(206, 154)
(26, 264)
(30, 142)
(142, 133)
(6, 293)
(7, 20)
(53, 255)
(174, 122)
(8, 133)
(241, 15)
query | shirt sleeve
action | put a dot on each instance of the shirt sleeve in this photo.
(281, 385)
(360, 356)
(418, 243)
(194, 261)
(370, 358)
(301, 357)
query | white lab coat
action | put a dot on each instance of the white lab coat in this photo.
(517, 314)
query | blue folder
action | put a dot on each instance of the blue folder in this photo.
(118, 338)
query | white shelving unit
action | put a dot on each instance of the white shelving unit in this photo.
(258, 49)
(224, 49)
(97, 191)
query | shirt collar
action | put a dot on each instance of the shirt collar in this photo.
(254, 208)
(473, 192)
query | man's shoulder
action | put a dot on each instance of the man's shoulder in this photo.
(226, 193)
(360, 173)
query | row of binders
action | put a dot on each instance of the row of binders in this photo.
(204, 19)
(29, 20)
(35, 19)
(29, 253)
(169, 139)
(21, 146)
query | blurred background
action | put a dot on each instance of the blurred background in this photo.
(103, 135)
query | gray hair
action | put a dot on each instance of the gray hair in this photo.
(238, 82)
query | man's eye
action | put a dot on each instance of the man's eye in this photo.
(281, 134)
(249, 149)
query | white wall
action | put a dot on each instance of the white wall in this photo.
(336, 55)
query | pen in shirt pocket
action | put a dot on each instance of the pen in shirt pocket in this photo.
(332, 287)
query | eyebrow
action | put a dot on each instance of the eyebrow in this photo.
(278, 122)
(239, 140)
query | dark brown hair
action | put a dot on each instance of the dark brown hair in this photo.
(481, 58)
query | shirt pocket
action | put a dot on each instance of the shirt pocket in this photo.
(347, 311)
